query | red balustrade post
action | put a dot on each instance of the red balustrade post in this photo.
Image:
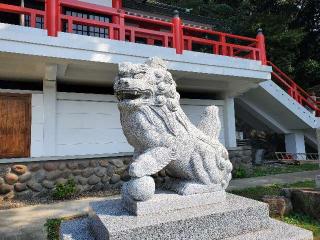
(295, 92)
(52, 17)
(118, 19)
(222, 39)
(177, 32)
(262, 46)
(117, 4)
(122, 32)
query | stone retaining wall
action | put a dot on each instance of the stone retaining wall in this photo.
(37, 179)
(241, 157)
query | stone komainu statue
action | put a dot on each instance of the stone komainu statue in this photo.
(163, 136)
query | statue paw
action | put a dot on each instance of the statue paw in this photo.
(136, 170)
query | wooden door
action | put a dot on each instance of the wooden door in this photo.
(15, 125)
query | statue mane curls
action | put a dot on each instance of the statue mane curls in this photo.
(166, 93)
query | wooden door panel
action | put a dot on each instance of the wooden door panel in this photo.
(3, 120)
(15, 125)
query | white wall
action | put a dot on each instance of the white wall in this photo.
(195, 107)
(107, 3)
(89, 124)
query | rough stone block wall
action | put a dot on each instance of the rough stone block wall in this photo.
(38, 179)
(241, 157)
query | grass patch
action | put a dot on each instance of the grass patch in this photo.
(258, 192)
(305, 222)
(272, 170)
(53, 226)
(259, 171)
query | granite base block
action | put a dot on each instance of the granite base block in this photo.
(77, 229)
(233, 217)
(167, 201)
(277, 231)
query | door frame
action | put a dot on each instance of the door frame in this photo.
(28, 97)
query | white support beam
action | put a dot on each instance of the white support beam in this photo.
(263, 116)
(318, 139)
(50, 101)
(295, 142)
(229, 123)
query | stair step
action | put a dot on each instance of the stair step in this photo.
(278, 231)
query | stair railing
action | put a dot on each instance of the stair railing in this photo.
(294, 90)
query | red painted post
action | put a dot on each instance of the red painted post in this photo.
(262, 46)
(177, 33)
(222, 39)
(295, 92)
(122, 32)
(118, 19)
(52, 17)
(117, 4)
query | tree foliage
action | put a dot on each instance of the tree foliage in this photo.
(291, 27)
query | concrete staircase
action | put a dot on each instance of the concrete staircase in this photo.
(270, 107)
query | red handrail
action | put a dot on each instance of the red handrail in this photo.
(128, 27)
(294, 90)
(33, 13)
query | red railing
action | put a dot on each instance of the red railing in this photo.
(221, 46)
(118, 29)
(129, 27)
(33, 13)
(294, 90)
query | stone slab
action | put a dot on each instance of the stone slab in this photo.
(278, 231)
(166, 201)
(234, 216)
(78, 229)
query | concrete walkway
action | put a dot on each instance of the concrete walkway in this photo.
(273, 179)
(27, 223)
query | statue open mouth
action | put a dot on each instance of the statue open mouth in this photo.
(132, 94)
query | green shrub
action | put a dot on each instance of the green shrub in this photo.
(240, 172)
(64, 191)
(52, 226)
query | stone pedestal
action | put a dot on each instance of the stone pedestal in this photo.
(236, 218)
(167, 201)
(232, 217)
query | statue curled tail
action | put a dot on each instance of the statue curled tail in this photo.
(210, 125)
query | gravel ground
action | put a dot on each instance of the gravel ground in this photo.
(17, 203)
